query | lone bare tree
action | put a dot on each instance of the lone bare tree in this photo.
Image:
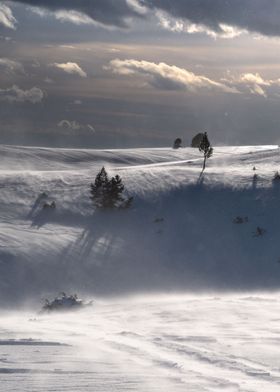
(206, 149)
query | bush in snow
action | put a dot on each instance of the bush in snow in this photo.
(259, 232)
(240, 219)
(177, 143)
(108, 193)
(49, 206)
(64, 302)
(206, 149)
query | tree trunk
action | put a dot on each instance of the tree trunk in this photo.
(204, 163)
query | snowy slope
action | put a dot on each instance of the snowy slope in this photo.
(175, 245)
(179, 235)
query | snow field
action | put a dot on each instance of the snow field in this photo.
(149, 343)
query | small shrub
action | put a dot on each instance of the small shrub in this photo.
(49, 206)
(177, 143)
(239, 220)
(259, 232)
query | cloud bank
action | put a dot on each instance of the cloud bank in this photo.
(252, 15)
(105, 12)
(11, 65)
(15, 94)
(170, 77)
(167, 77)
(213, 17)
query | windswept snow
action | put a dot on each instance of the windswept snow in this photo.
(157, 344)
(206, 239)
(179, 234)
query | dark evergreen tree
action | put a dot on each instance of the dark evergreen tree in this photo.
(98, 190)
(206, 149)
(113, 195)
(108, 193)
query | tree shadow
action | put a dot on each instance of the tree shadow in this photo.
(101, 231)
(255, 181)
(43, 217)
(201, 178)
(42, 197)
(54, 216)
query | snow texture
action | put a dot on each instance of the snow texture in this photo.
(199, 240)
(180, 234)
(154, 344)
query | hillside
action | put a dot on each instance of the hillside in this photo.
(179, 234)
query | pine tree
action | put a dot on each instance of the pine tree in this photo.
(98, 190)
(206, 148)
(108, 194)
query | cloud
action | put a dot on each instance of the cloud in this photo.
(103, 12)
(252, 15)
(254, 83)
(71, 16)
(11, 65)
(15, 94)
(167, 77)
(75, 125)
(7, 18)
(217, 18)
(71, 68)
(179, 25)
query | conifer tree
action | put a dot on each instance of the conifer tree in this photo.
(206, 149)
(99, 188)
(108, 193)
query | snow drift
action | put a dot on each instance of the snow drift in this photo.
(181, 234)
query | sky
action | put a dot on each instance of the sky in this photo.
(139, 73)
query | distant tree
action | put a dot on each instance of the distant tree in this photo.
(197, 140)
(206, 149)
(276, 176)
(107, 193)
(177, 143)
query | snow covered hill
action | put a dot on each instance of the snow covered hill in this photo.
(182, 234)
(187, 249)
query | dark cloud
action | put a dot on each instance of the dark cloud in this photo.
(253, 15)
(107, 12)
